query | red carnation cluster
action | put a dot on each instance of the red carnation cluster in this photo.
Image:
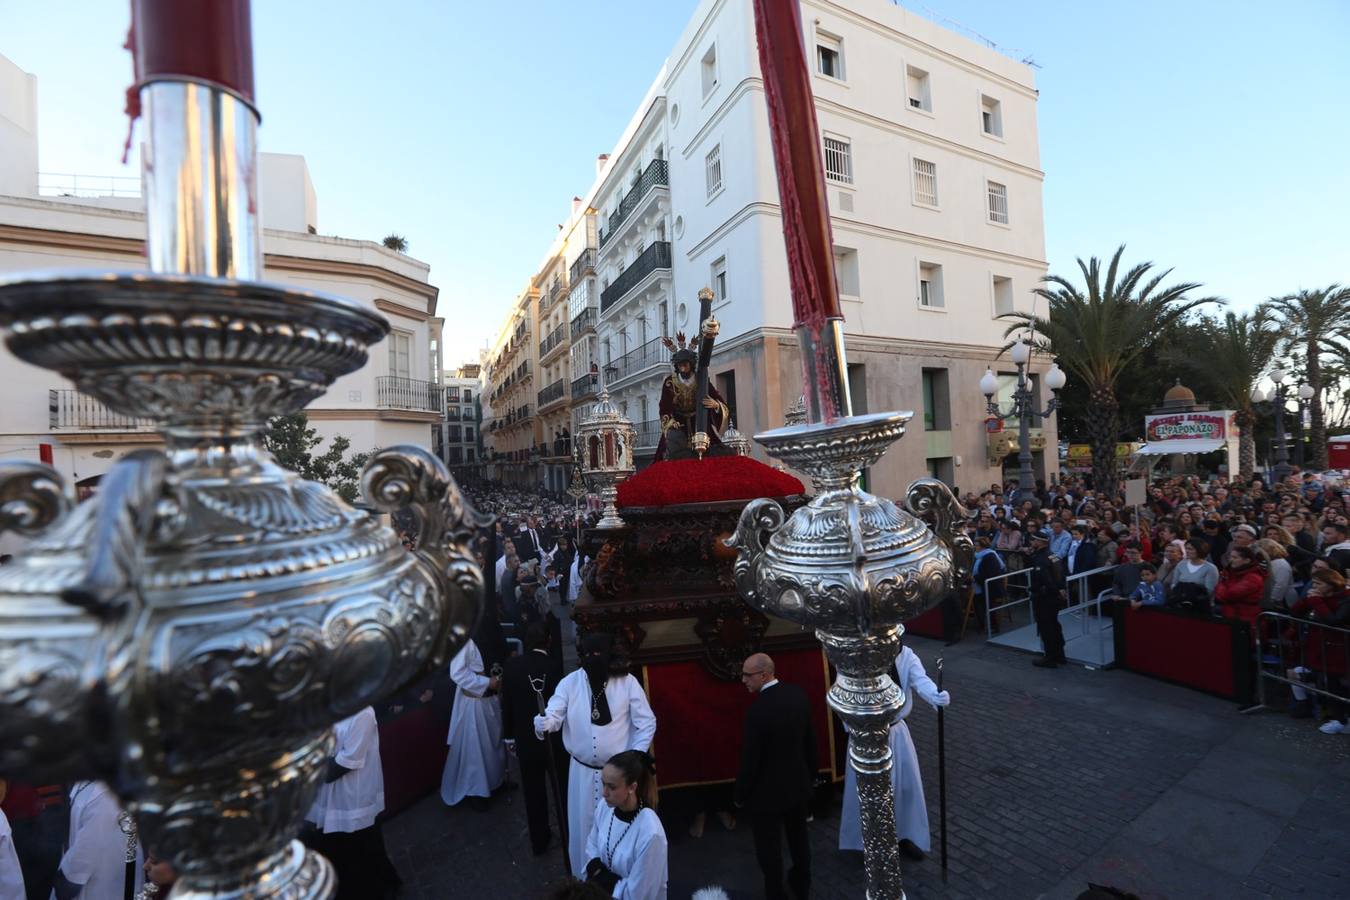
(712, 480)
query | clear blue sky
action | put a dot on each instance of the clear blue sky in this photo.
(1208, 135)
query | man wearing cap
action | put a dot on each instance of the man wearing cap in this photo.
(677, 407)
(1047, 589)
(1243, 536)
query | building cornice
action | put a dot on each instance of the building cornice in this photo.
(385, 415)
(915, 44)
(896, 346)
(135, 247)
(843, 224)
(399, 309)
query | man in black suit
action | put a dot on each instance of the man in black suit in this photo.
(524, 680)
(1047, 590)
(778, 768)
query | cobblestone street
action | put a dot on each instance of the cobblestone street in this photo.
(1056, 778)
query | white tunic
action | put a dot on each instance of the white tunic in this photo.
(11, 875)
(574, 579)
(635, 851)
(97, 857)
(476, 763)
(911, 814)
(632, 727)
(353, 801)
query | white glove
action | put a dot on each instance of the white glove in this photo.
(941, 698)
(539, 724)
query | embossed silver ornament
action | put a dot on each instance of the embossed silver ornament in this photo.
(854, 566)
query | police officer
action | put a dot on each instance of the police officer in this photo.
(1047, 589)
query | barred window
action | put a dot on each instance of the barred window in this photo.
(838, 160)
(998, 202)
(925, 182)
(713, 166)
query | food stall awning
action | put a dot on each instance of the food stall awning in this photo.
(1181, 445)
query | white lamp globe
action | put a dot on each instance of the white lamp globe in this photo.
(1305, 392)
(1021, 352)
(1055, 378)
(989, 383)
(1278, 376)
(1258, 395)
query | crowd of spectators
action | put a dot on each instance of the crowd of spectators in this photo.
(1215, 548)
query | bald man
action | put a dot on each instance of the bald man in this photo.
(778, 767)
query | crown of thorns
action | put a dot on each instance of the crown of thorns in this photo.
(680, 343)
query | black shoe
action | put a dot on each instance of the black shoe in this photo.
(1045, 662)
(910, 850)
(478, 804)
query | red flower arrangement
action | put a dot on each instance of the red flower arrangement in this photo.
(712, 480)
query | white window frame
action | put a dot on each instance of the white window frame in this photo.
(990, 210)
(712, 167)
(925, 106)
(994, 279)
(395, 337)
(717, 273)
(842, 151)
(941, 293)
(996, 118)
(705, 67)
(825, 41)
(914, 176)
(840, 254)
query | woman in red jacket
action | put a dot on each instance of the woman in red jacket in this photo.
(1241, 585)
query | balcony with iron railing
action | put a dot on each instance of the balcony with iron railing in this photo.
(585, 265)
(72, 410)
(393, 392)
(655, 257)
(657, 174)
(585, 386)
(557, 338)
(553, 393)
(556, 291)
(583, 322)
(635, 362)
(648, 434)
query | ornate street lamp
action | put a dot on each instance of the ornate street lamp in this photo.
(1305, 394)
(1023, 407)
(191, 633)
(606, 438)
(1281, 469)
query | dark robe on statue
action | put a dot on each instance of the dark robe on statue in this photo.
(677, 410)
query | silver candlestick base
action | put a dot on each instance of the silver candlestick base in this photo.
(608, 485)
(853, 566)
(191, 633)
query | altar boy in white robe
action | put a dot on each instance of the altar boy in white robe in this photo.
(346, 808)
(627, 845)
(476, 763)
(95, 865)
(911, 815)
(602, 711)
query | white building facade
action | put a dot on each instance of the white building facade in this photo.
(932, 163)
(392, 400)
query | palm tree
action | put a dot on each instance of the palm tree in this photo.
(1233, 355)
(396, 242)
(1319, 321)
(1098, 331)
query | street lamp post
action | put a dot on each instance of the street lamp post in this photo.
(1280, 470)
(1305, 395)
(1023, 407)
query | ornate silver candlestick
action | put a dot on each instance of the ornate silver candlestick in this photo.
(853, 566)
(191, 634)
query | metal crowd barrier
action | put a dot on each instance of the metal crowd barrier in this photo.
(1024, 585)
(1079, 582)
(1270, 633)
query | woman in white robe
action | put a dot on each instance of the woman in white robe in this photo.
(911, 814)
(632, 726)
(96, 857)
(476, 763)
(626, 846)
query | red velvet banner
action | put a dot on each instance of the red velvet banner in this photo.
(1189, 650)
(412, 755)
(700, 720)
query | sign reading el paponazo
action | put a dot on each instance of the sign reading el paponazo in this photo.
(1205, 426)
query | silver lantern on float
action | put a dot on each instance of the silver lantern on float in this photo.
(191, 633)
(606, 439)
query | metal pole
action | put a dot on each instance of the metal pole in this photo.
(1022, 400)
(1298, 447)
(942, 773)
(1281, 469)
